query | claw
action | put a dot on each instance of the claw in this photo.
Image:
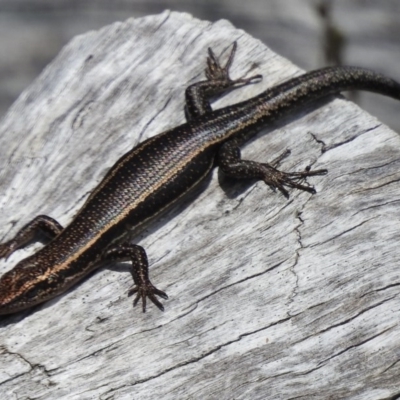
(276, 179)
(276, 162)
(215, 72)
(231, 56)
(147, 291)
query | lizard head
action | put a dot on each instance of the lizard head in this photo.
(23, 287)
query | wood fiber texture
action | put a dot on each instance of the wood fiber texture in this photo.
(268, 298)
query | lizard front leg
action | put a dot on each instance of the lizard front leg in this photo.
(140, 272)
(40, 224)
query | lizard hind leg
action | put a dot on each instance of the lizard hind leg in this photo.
(216, 72)
(200, 94)
(231, 163)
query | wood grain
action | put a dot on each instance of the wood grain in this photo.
(269, 298)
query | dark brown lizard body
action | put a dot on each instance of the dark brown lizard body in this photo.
(159, 171)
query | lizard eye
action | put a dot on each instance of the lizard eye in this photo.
(32, 293)
(36, 291)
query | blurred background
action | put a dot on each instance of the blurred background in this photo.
(311, 33)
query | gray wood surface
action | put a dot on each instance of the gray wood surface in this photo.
(269, 298)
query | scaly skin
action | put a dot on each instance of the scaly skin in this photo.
(159, 171)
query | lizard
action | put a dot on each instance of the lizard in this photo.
(159, 171)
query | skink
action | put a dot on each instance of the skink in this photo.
(159, 171)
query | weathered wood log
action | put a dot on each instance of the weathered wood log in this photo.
(269, 298)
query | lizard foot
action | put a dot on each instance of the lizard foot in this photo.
(276, 179)
(147, 290)
(217, 73)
